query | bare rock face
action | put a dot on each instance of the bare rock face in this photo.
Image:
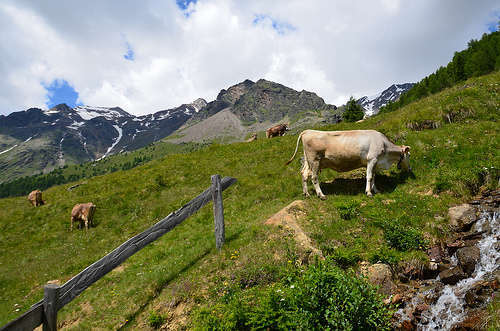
(452, 276)
(468, 258)
(380, 274)
(462, 217)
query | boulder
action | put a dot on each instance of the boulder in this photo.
(468, 257)
(462, 217)
(380, 274)
(479, 294)
(452, 276)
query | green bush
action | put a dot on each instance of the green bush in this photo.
(401, 237)
(323, 297)
(349, 210)
(155, 320)
(384, 255)
(346, 257)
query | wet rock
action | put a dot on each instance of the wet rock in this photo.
(397, 298)
(452, 276)
(479, 294)
(419, 309)
(468, 258)
(380, 274)
(462, 217)
(407, 325)
(473, 321)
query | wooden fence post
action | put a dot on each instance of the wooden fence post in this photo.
(50, 306)
(220, 235)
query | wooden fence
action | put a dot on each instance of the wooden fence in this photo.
(55, 296)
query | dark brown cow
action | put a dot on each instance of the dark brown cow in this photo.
(35, 198)
(83, 213)
(277, 130)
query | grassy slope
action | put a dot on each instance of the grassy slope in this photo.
(183, 266)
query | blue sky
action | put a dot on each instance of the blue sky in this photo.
(184, 4)
(493, 25)
(59, 91)
(129, 55)
(159, 55)
(280, 27)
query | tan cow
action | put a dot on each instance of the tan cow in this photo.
(83, 213)
(35, 198)
(348, 150)
(277, 130)
(252, 138)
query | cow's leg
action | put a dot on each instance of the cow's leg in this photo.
(305, 172)
(370, 180)
(72, 220)
(314, 177)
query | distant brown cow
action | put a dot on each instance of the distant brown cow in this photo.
(277, 130)
(252, 138)
(35, 198)
(83, 213)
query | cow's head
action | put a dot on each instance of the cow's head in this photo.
(404, 159)
(287, 128)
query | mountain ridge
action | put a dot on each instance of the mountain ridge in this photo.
(372, 104)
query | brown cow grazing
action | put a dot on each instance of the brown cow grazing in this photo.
(277, 130)
(83, 213)
(35, 198)
(252, 138)
(348, 150)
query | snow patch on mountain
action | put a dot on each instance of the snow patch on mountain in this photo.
(117, 140)
(88, 112)
(8, 149)
(372, 104)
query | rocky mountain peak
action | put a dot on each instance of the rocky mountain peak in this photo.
(233, 93)
(198, 104)
(372, 104)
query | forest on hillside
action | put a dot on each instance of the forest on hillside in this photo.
(481, 57)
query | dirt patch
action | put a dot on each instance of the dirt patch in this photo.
(119, 269)
(177, 318)
(74, 319)
(287, 218)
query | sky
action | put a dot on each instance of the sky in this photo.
(146, 56)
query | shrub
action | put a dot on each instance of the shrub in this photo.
(401, 237)
(349, 210)
(323, 297)
(346, 257)
(155, 320)
(384, 255)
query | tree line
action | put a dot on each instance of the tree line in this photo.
(24, 185)
(481, 57)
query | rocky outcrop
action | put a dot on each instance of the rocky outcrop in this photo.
(452, 276)
(462, 217)
(468, 258)
(380, 275)
(426, 303)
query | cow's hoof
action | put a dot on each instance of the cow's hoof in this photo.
(322, 197)
(369, 194)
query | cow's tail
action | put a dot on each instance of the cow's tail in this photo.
(296, 148)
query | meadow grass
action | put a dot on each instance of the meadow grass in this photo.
(182, 272)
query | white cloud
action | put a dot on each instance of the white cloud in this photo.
(335, 49)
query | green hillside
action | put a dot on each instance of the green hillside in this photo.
(181, 280)
(112, 163)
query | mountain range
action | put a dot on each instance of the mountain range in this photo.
(372, 104)
(37, 140)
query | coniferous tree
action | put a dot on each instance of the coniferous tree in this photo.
(353, 111)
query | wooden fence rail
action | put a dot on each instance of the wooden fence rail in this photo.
(45, 311)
